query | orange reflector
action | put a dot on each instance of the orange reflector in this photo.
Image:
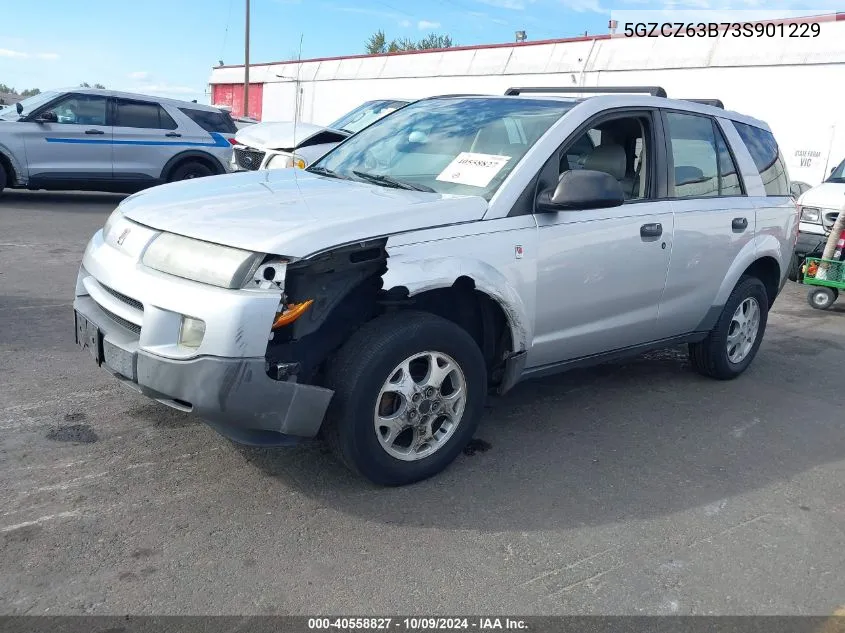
(291, 313)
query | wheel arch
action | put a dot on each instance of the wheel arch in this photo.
(761, 258)
(416, 279)
(7, 164)
(210, 160)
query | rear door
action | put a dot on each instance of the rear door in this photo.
(714, 218)
(75, 149)
(145, 138)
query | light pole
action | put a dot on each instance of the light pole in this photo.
(246, 63)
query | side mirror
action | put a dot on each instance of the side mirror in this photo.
(581, 189)
(47, 117)
(795, 190)
(19, 107)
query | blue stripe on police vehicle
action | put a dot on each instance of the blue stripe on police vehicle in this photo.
(219, 141)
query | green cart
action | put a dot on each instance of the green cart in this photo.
(827, 276)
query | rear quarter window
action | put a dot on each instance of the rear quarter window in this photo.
(764, 151)
(211, 121)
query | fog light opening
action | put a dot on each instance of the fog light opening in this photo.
(191, 332)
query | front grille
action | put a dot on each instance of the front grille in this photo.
(132, 327)
(248, 158)
(134, 303)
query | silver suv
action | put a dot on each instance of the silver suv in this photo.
(103, 140)
(453, 248)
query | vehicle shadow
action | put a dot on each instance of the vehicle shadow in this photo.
(25, 198)
(611, 443)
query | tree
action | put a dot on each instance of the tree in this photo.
(5, 88)
(30, 92)
(378, 43)
(85, 84)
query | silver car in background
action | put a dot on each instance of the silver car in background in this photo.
(103, 140)
(284, 144)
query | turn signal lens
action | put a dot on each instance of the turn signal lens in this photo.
(291, 313)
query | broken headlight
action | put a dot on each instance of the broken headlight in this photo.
(286, 161)
(207, 263)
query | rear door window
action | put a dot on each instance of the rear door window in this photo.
(211, 121)
(703, 165)
(764, 151)
(141, 114)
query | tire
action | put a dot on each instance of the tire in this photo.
(795, 267)
(822, 297)
(189, 170)
(3, 181)
(712, 357)
(359, 372)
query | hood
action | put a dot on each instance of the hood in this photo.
(828, 195)
(292, 212)
(285, 135)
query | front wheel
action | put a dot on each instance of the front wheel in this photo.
(409, 393)
(731, 346)
(822, 297)
(189, 171)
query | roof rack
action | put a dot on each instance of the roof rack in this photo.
(716, 103)
(654, 91)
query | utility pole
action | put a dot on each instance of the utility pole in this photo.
(246, 63)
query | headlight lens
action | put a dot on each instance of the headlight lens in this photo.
(205, 262)
(811, 215)
(286, 161)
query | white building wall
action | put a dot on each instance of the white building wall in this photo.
(797, 85)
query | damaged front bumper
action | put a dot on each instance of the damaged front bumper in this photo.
(235, 396)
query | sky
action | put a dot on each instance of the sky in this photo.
(168, 47)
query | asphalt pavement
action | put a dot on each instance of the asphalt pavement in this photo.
(631, 488)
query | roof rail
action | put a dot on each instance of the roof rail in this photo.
(716, 103)
(654, 91)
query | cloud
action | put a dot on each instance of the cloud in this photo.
(425, 25)
(139, 75)
(404, 23)
(373, 12)
(8, 53)
(513, 5)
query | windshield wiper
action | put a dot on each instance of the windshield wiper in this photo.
(390, 181)
(322, 171)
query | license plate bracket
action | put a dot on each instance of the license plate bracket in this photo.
(89, 336)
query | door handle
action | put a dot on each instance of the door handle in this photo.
(173, 134)
(651, 230)
(94, 132)
(739, 224)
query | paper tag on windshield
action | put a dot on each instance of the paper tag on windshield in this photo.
(476, 170)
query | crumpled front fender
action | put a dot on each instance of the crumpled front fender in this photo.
(421, 275)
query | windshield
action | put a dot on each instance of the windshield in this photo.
(29, 105)
(838, 173)
(365, 114)
(460, 146)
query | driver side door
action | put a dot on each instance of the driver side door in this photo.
(601, 272)
(74, 150)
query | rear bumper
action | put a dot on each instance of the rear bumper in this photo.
(233, 395)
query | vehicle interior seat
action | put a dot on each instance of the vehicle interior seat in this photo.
(611, 159)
